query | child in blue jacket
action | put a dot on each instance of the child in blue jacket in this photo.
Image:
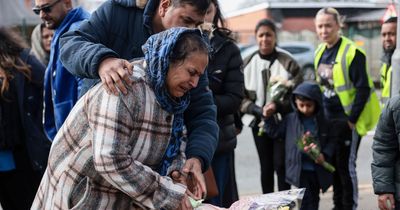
(307, 117)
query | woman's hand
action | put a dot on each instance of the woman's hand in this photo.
(178, 177)
(192, 177)
(185, 203)
(269, 109)
(195, 179)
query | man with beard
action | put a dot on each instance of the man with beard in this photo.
(61, 87)
(388, 37)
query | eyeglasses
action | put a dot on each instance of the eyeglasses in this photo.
(45, 9)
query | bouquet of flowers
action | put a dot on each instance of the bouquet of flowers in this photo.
(276, 92)
(308, 144)
(278, 88)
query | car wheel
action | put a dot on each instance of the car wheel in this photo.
(308, 73)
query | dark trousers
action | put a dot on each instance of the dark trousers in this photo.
(18, 189)
(309, 180)
(271, 153)
(345, 184)
(231, 192)
(224, 173)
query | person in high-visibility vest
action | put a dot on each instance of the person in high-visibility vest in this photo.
(388, 38)
(349, 100)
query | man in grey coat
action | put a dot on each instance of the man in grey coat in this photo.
(386, 157)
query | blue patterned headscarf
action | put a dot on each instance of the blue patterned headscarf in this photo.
(157, 51)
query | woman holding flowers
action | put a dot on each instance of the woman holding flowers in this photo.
(262, 69)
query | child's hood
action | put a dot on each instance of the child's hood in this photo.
(310, 90)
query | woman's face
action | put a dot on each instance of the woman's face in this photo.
(210, 14)
(266, 40)
(183, 76)
(327, 28)
(47, 35)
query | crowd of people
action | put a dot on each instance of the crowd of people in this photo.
(128, 107)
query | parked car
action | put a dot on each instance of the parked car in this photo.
(302, 52)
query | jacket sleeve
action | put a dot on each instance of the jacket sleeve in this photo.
(200, 120)
(247, 105)
(112, 148)
(274, 128)
(179, 161)
(385, 149)
(229, 102)
(293, 68)
(359, 77)
(82, 50)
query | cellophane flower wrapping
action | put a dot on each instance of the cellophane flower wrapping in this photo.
(282, 200)
(276, 92)
(277, 89)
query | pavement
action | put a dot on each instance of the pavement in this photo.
(248, 172)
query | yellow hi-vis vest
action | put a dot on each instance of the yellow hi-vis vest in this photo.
(344, 87)
(386, 75)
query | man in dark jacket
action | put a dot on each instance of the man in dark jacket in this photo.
(115, 33)
(385, 165)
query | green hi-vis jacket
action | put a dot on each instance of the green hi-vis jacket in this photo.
(344, 87)
(386, 74)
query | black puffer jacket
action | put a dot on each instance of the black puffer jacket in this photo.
(226, 83)
(385, 165)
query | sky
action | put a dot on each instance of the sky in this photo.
(229, 5)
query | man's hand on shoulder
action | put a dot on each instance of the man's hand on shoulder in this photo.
(115, 74)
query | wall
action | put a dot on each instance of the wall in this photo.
(293, 24)
(365, 35)
(245, 24)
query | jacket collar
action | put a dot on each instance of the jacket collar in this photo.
(149, 11)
